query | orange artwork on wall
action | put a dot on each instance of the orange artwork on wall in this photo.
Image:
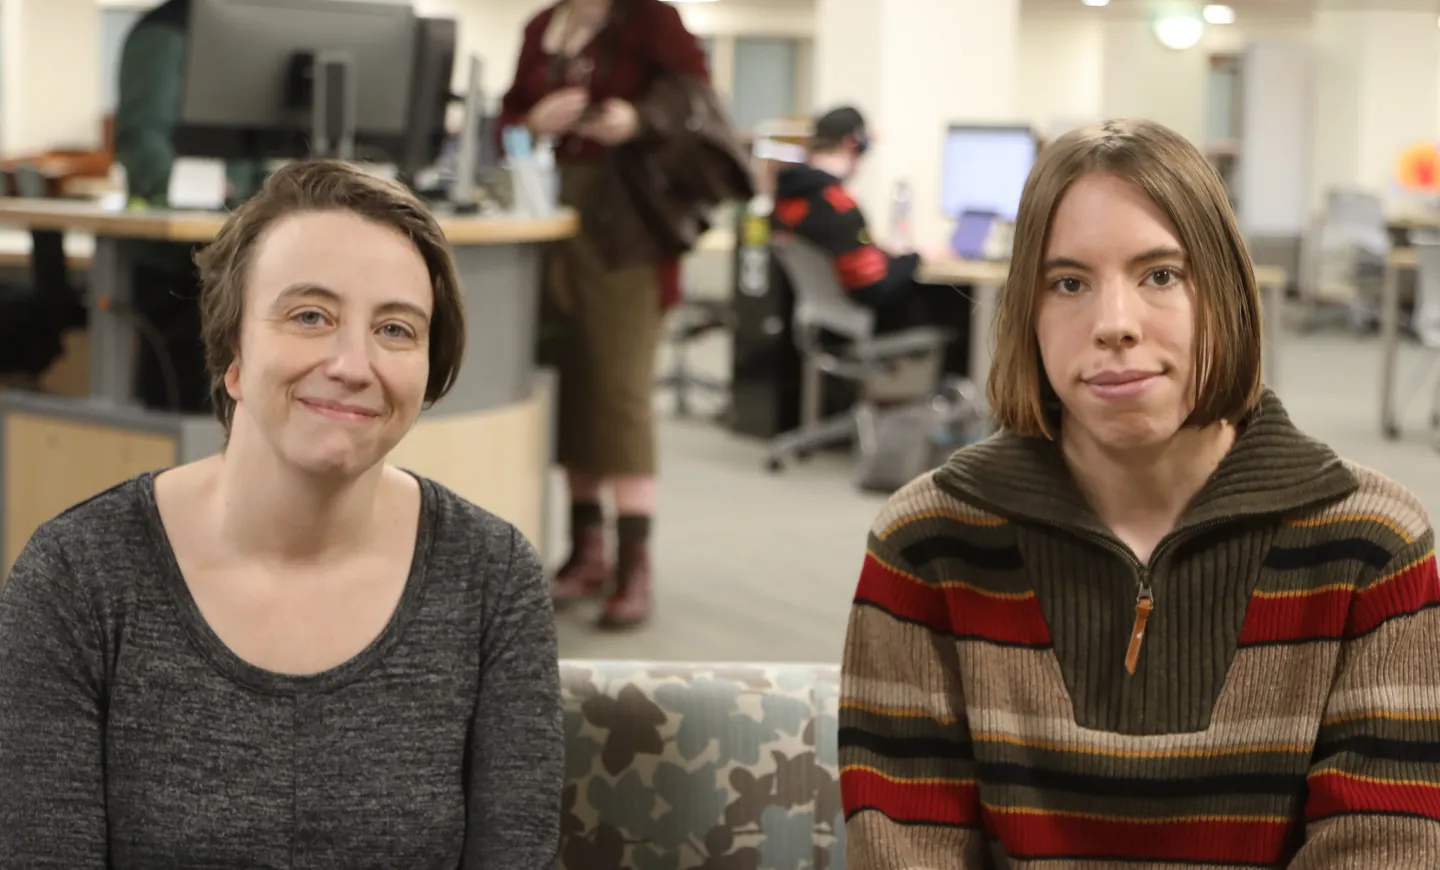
(1418, 169)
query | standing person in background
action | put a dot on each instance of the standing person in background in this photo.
(590, 78)
(165, 282)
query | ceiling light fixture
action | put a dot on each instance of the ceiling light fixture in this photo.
(1096, 2)
(1179, 32)
(1217, 13)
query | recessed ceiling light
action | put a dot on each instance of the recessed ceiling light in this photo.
(1096, 2)
(1179, 31)
(1217, 13)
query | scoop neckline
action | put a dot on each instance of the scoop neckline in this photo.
(251, 676)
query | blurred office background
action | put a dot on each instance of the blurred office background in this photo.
(1305, 107)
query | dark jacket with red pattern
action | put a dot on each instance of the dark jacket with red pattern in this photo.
(815, 206)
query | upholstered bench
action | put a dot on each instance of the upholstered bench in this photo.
(683, 766)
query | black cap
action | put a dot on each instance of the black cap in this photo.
(832, 127)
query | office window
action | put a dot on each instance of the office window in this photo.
(765, 79)
(115, 24)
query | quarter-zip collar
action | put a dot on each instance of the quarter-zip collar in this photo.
(1272, 469)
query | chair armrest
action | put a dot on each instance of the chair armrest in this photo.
(921, 339)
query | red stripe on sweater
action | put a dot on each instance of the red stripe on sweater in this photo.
(1340, 611)
(1406, 591)
(1335, 793)
(791, 210)
(1215, 840)
(954, 609)
(935, 802)
(902, 595)
(861, 267)
(1296, 617)
(839, 198)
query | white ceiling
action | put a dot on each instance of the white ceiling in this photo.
(1255, 9)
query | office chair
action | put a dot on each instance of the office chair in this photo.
(835, 336)
(1343, 263)
(688, 322)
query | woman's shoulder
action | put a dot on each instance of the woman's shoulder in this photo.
(468, 536)
(1378, 509)
(87, 533)
(87, 554)
(924, 509)
(535, 27)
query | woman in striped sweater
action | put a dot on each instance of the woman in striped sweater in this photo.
(1150, 622)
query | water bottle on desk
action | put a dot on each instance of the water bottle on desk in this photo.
(901, 205)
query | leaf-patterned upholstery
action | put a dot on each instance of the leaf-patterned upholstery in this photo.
(680, 766)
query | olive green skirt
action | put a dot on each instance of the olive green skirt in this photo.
(599, 329)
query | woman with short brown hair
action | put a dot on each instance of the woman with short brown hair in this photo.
(1149, 621)
(290, 653)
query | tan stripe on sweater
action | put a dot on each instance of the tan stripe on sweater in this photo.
(874, 842)
(921, 499)
(1370, 842)
(1272, 699)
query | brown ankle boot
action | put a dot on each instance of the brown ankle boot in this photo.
(631, 602)
(586, 571)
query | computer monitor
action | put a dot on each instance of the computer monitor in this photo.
(435, 46)
(985, 169)
(256, 71)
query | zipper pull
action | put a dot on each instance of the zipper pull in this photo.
(1144, 603)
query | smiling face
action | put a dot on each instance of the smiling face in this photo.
(1115, 321)
(333, 355)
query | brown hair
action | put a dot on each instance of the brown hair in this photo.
(1174, 174)
(312, 186)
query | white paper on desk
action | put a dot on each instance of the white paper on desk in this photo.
(197, 183)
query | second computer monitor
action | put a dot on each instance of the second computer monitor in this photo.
(244, 61)
(985, 169)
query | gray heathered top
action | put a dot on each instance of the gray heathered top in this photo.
(132, 737)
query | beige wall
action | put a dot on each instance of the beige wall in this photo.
(51, 90)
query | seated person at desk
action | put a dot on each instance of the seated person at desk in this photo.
(165, 284)
(812, 203)
(290, 653)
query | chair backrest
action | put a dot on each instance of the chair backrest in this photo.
(676, 764)
(820, 301)
(1355, 217)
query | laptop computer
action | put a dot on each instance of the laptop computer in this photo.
(971, 233)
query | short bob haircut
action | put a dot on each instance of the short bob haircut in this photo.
(1174, 174)
(320, 186)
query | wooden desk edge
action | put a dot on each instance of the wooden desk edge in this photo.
(202, 227)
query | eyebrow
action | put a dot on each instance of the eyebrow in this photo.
(1150, 256)
(315, 290)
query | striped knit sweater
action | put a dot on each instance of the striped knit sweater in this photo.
(1284, 710)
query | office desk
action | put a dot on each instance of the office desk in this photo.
(15, 250)
(488, 439)
(987, 277)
